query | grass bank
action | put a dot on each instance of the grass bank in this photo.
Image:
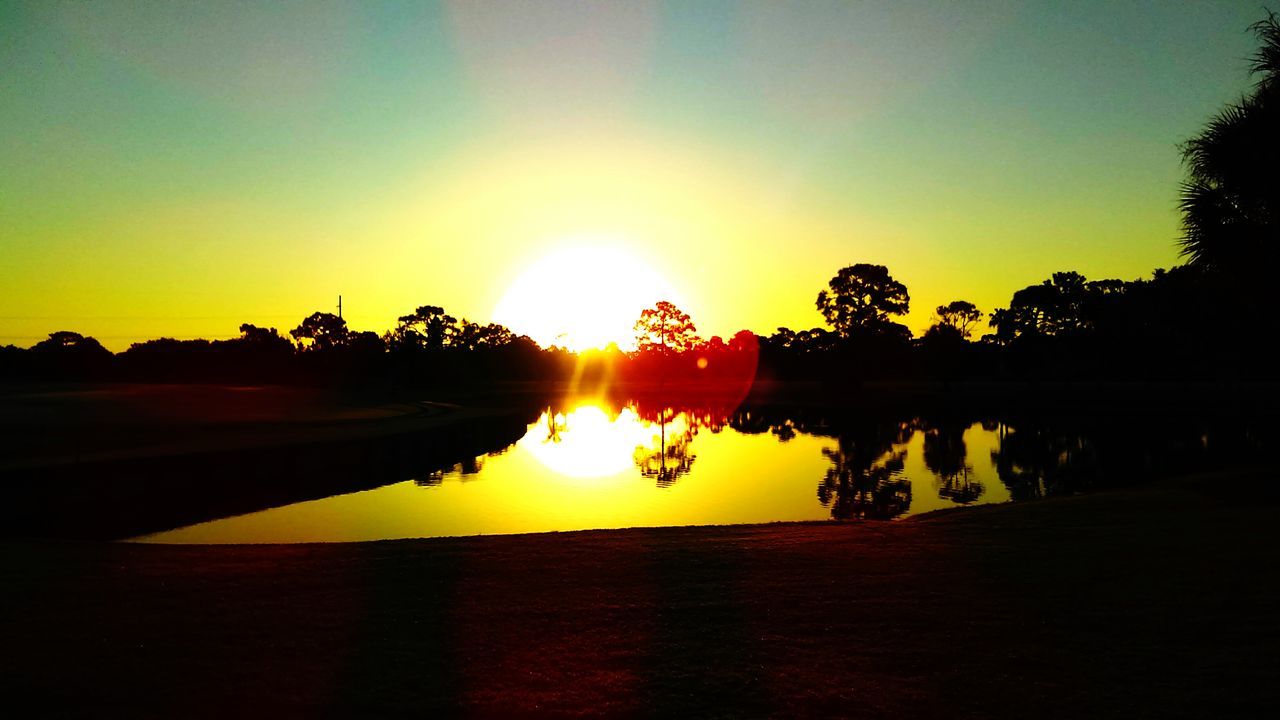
(1159, 601)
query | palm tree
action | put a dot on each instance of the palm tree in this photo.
(1231, 199)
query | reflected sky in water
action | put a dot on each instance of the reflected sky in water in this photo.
(588, 466)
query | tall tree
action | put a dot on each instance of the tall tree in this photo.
(961, 316)
(665, 328)
(1231, 198)
(862, 297)
(427, 327)
(321, 331)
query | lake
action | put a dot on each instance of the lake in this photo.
(592, 464)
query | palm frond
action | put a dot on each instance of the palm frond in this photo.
(1266, 62)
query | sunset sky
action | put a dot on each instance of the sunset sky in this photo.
(175, 169)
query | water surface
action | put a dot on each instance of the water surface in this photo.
(586, 464)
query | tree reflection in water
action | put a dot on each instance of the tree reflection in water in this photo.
(959, 487)
(556, 424)
(865, 480)
(471, 466)
(866, 475)
(946, 455)
(1037, 461)
(671, 457)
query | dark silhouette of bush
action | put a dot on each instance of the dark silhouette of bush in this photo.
(70, 355)
(15, 362)
(258, 355)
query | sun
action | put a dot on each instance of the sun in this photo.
(582, 297)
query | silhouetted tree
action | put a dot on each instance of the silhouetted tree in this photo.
(715, 345)
(744, 341)
(1067, 304)
(664, 329)
(471, 336)
(254, 335)
(427, 328)
(960, 316)
(814, 340)
(70, 354)
(263, 342)
(862, 297)
(258, 354)
(1231, 198)
(320, 332)
(65, 341)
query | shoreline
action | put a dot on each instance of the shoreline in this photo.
(168, 473)
(131, 460)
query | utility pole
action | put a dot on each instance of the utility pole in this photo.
(339, 307)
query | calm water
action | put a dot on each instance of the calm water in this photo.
(587, 465)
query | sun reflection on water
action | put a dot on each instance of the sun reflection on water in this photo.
(587, 442)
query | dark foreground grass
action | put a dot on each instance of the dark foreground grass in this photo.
(1155, 602)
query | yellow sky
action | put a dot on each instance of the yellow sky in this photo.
(178, 171)
(723, 231)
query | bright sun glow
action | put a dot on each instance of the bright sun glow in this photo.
(586, 443)
(582, 297)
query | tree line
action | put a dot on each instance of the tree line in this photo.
(427, 344)
(1184, 322)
